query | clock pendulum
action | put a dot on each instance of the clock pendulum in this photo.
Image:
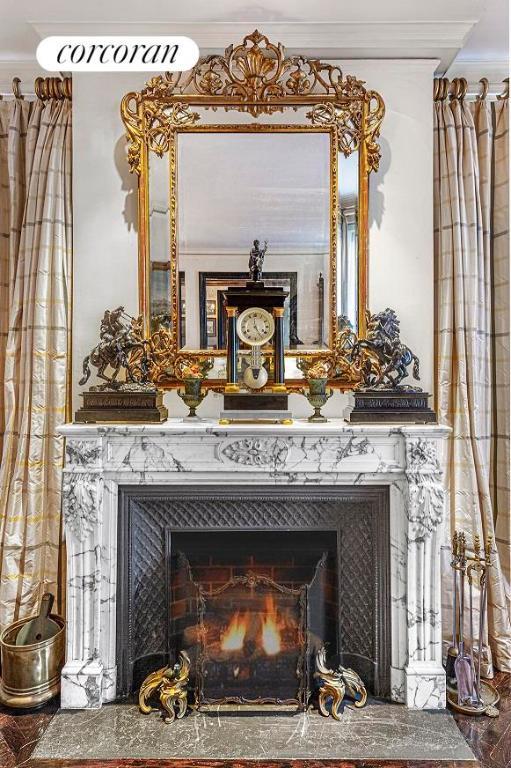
(255, 327)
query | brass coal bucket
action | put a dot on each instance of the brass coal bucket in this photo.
(31, 673)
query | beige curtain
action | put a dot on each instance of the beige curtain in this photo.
(35, 262)
(470, 296)
(501, 463)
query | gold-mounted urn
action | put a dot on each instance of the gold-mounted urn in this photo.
(316, 373)
(31, 673)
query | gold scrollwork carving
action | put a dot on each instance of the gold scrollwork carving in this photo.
(152, 123)
(134, 132)
(256, 76)
(334, 685)
(170, 683)
(375, 115)
(355, 122)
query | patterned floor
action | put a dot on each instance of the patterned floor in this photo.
(489, 739)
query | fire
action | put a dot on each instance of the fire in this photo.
(270, 639)
(234, 637)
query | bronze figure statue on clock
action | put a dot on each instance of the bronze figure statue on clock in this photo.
(255, 317)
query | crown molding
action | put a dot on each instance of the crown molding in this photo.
(362, 40)
(474, 69)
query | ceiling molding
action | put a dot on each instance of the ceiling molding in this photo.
(363, 40)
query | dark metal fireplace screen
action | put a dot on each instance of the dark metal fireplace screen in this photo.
(157, 524)
(252, 636)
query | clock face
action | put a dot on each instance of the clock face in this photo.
(255, 326)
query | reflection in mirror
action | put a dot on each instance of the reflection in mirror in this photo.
(159, 242)
(213, 316)
(347, 240)
(234, 187)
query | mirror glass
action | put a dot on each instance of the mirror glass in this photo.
(159, 242)
(234, 188)
(347, 240)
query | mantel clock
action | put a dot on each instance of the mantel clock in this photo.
(255, 315)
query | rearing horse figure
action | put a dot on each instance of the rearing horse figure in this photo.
(119, 336)
(385, 353)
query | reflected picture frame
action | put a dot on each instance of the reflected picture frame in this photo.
(211, 308)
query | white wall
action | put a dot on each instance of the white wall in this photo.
(401, 210)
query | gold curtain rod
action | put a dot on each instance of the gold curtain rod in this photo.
(444, 88)
(46, 88)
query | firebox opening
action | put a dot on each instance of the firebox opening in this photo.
(273, 530)
(251, 608)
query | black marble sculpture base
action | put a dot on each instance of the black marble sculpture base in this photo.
(255, 406)
(121, 405)
(260, 401)
(390, 406)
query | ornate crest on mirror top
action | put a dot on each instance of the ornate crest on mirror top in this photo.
(257, 78)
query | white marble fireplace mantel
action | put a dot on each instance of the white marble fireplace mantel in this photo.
(100, 458)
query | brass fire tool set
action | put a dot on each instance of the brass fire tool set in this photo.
(466, 692)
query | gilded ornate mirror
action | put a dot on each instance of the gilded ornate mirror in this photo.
(253, 145)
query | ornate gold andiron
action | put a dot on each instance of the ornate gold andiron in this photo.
(335, 684)
(171, 684)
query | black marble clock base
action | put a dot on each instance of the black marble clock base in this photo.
(255, 406)
(390, 406)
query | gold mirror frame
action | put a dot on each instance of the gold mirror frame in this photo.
(257, 78)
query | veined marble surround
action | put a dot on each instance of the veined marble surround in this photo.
(99, 458)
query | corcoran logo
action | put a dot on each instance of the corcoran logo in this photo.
(116, 54)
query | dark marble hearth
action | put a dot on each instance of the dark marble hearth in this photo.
(380, 731)
(489, 739)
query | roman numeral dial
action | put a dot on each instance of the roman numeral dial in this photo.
(255, 326)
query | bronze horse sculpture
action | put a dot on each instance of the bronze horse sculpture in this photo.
(121, 341)
(382, 354)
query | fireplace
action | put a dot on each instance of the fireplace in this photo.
(251, 583)
(375, 491)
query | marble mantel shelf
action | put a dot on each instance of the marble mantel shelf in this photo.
(100, 458)
(212, 427)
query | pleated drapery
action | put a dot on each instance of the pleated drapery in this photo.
(35, 264)
(472, 322)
